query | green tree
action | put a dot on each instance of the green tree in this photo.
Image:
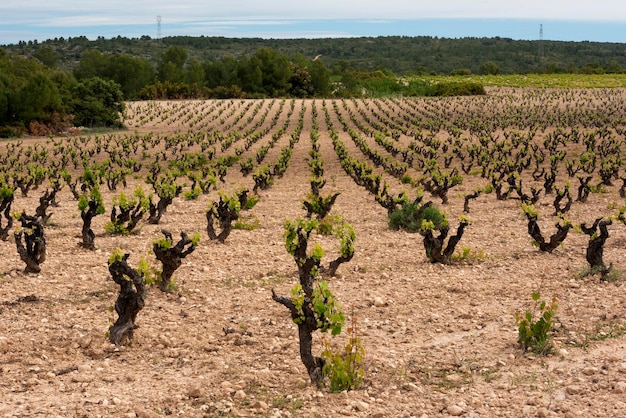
(250, 75)
(38, 99)
(5, 92)
(221, 72)
(91, 64)
(489, 68)
(171, 65)
(320, 77)
(48, 56)
(275, 71)
(300, 81)
(98, 102)
(131, 73)
(195, 73)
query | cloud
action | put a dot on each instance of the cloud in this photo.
(145, 11)
(45, 19)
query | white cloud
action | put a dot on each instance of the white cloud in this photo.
(114, 12)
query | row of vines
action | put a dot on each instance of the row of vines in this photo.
(549, 151)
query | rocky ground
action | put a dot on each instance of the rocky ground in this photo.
(439, 340)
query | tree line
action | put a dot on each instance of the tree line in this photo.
(41, 101)
(37, 98)
(399, 54)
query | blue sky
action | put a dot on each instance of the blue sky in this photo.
(570, 20)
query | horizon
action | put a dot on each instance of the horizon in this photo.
(602, 21)
(524, 30)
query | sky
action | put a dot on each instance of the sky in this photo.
(561, 20)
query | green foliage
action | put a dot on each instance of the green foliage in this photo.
(123, 201)
(328, 225)
(298, 298)
(116, 255)
(166, 187)
(535, 323)
(327, 310)
(95, 196)
(139, 202)
(347, 235)
(262, 177)
(530, 211)
(192, 194)
(415, 217)
(467, 88)
(613, 274)
(195, 239)
(247, 166)
(468, 255)
(6, 191)
(115, 228)
(163, 243)
(150, 274)
(250, 202)
(98, 102)
(291, 232)
(247, 224)
(344, 370)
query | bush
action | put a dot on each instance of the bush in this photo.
(466, 88)
(534, 325)
(411, 216)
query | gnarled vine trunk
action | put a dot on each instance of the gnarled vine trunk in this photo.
(130, 300)
(33, 250)
(595, 248)
(435, 251)
(171, 257)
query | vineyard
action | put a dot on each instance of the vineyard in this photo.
(434, 223)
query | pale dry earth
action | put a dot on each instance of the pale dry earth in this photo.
(439, 340)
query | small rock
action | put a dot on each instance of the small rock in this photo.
(379, 302)
(619, 387)
(454, 410)
(573, 390)
(240, 394)
(194, 392)
(361, 406)
(117, 401)
(543, 413)
(81, 378)
(476, 403)
(588, 371)
(145, 413)
(454, 378)
(85, 341)
(84, 368)
(260, 405)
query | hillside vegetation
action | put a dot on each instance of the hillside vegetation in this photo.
(400, 54)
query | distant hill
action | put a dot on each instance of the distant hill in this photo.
(399, 54)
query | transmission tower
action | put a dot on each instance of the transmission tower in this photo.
(158, 28)
(541, 42)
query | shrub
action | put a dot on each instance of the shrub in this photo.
(411, 216)
(344, 371)
(535, 323)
